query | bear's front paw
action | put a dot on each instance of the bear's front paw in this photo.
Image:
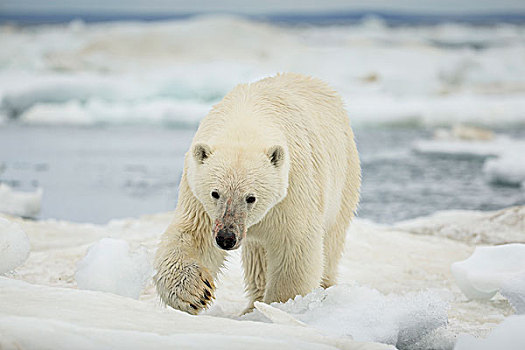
(187, 288)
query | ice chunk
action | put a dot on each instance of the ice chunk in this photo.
(277, 316)
(482, 275)
(25, 204)
(363, 313)
(465, 148)
(514, 291)
(509, 335)
(42, 317)
(155, 111)
(474, 227)
(506, 156)
(464, 132)
(508, 169)
(14, 246)
(109, 266)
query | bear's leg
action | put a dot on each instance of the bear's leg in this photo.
(295, 265)
(186, 265)
(334, 241)
(254, 263)
(333, 246)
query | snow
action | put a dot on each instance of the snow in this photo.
(99, 71)
(514, 290)
(362, 313)
(25, 204)
(43, 317)
(489, 227)
(14, 246)
(482, 274)
(396, 283)
(508, 335)
(109, 266)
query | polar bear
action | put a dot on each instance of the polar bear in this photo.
(273, 167)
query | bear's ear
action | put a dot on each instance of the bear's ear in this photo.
(276, 155)
(201, 152)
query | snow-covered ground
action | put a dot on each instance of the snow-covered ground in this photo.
(395, 287)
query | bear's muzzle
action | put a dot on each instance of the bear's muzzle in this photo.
(229, 230)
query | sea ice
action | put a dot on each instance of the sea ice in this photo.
(474, 227)
(508, 169)
(514, 290)
(124, 64)
(14, 246)
(484, 273)
(41, 317)
(464, 148)
(25, 204)
(505, 157)
(362, 313)
(109, 266)
(509, 335)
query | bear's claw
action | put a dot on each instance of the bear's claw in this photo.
(185, 287)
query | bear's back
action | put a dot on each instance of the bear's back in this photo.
(309, 118)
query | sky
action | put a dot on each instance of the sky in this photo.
(260, 6)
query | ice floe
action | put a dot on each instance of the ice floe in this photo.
(109, 266)
(484, 273)
(14, 246)
(362, 313)
(509, 335)
(25, 204)
(400, 279)
(124, 65)
(36, 317)
(475, 227)
(504, 156)
(514, 290)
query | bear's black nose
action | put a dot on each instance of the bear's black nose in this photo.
(226, 239)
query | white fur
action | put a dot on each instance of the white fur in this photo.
(305, 200)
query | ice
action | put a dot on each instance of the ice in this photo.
(483, 274)
(36, 317)
(159, 111)
(123, 65)
(110, 266)
(25, 204)
(14, 246)
(508, 169)
(362, 313)
(505, 157)
(384, 264)
(514, 290)
(494, 147)
(473, 227)
(509, 335)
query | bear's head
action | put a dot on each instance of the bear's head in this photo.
(237, 186)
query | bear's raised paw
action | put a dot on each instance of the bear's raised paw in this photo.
(187, 287)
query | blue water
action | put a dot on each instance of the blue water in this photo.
(98, 174)
(330, 18)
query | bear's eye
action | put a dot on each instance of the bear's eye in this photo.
(215, 194)
(250, 199)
